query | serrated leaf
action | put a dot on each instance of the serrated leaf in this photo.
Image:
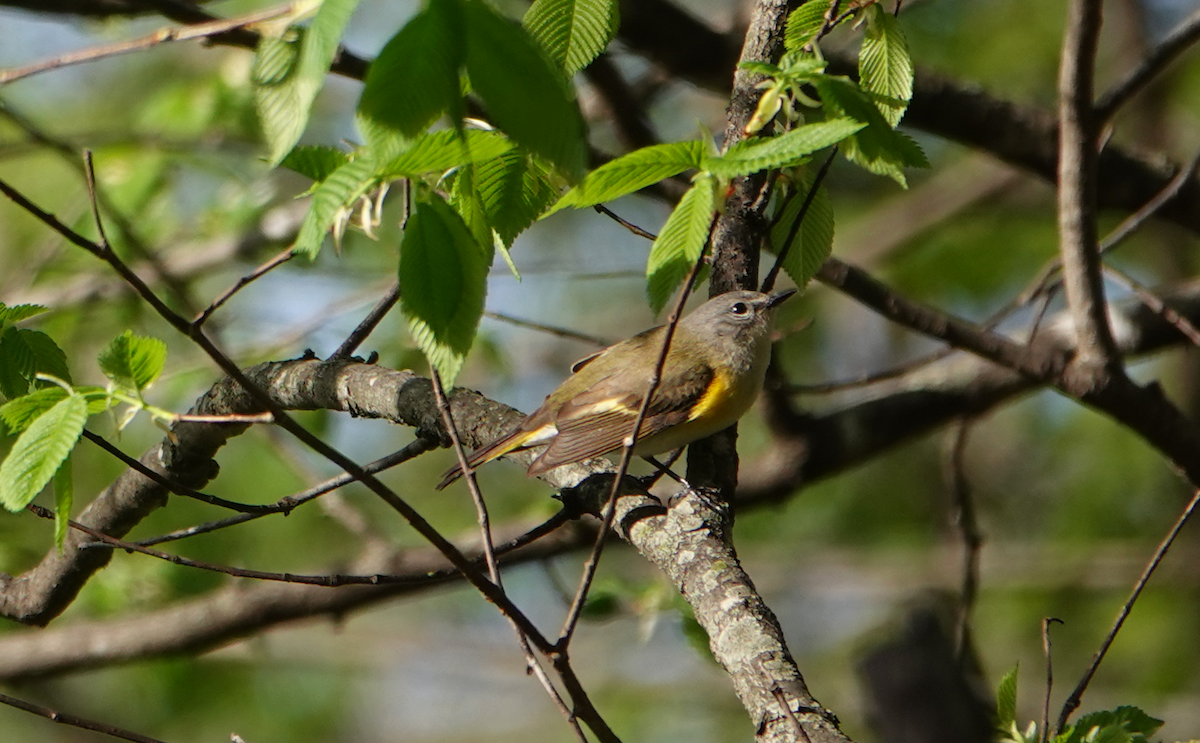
(884, 66)
(1006, 699)
(573, 32)
(24, 354)
(289, 71)
(439, 151)
(1129, 719)
(760, 153)
(465, 199)
(339, 191)
(19, 312)
(679, 243)
(514, 190)
(133, 361)
(813, 241)
(40, 450)
(803, 24)
(415, 78)
(525, 94)
(632, 172)
(18, 414)
(878, 147)
(443, 283)
(64, 495)
(315, 162)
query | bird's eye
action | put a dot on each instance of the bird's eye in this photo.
(739, 308)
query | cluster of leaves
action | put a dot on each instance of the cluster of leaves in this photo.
(476, 186)
(1124, 724)
(47, 413)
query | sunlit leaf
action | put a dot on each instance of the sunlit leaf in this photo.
(632, 172)
(680, 242)
(40, 450)
(133, 361)
(439, 151)
(884, 66)
(804, 23)
(760, 153)
(290, 70)
(574, 32)
(337, 192)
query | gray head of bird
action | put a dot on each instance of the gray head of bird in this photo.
(739, 315)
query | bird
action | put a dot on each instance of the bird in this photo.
(712, 374)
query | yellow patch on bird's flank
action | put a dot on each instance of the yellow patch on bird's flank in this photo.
(714, 398)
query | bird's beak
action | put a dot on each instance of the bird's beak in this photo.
(779, 298)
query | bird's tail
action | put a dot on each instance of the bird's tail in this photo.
(497, 448)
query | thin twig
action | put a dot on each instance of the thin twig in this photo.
(169, 484)
(162, 36)
(289, 503)
(485, 527)
(64, 718)
(485, 533)
(369, 323)
(1176, 42)
(326, 581)
(602, 209)
(225, 296)
(1155, 304)
(781, 251)
(1044, 731)
(551, 329)
(1076, 696)
(89, 173)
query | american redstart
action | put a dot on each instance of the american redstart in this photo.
(713, 371)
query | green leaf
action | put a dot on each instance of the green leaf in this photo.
(574, 32)
(336, 193)
(814, 239)
(443, 280)
(884, 67)
(64, 494)
(633, 172)
(680, 242)
(879, 148)
(26, 353)
(525, 95)
(804, 23)
(439, 151)
(1006, 699)
(18, 414)
(415, 78)
(464, 197)
(1123, 723)
(514, 190)
(315, 162)
(289, 71)
(19, 312)
(40, 450)
(133, 361)
(760, 153)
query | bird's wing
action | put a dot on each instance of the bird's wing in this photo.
(597, 421)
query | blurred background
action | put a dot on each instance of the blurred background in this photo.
(1070, 504)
